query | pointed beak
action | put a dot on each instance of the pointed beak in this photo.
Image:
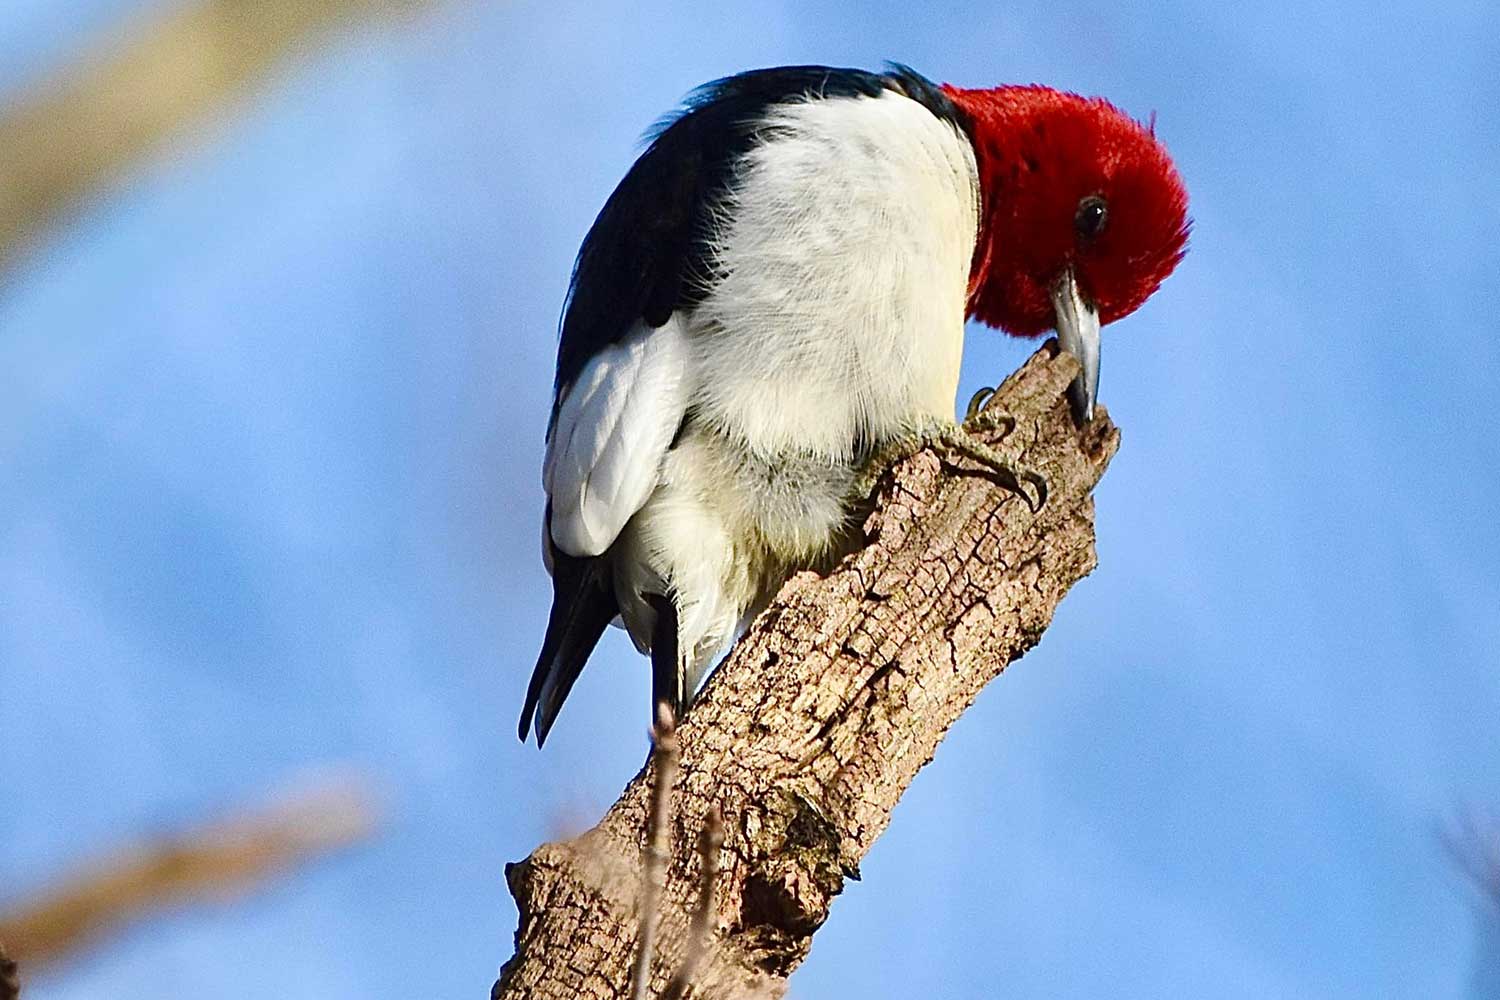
(1078, 332)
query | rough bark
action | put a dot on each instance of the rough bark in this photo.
(808, 734)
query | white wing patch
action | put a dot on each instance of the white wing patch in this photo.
(613, 429)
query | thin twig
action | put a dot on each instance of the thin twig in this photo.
(664, 736)
(709, 843)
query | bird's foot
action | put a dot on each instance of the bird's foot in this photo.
(957, 441)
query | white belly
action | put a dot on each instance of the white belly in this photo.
(845, 261)
(836, 323)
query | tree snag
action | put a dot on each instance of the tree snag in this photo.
(809, 732)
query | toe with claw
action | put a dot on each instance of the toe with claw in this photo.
(961, 443)
(992, 420)
(977, 401)
(953, 439)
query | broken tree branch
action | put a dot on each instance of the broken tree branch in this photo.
(822, 715)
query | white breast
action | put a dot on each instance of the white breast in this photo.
(845, 247)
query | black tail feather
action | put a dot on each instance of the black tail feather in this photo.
(583, 604)
(666, 667)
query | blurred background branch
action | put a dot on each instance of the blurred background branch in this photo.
(10, 983)
(1472, 839)
(216, 863)
(71, 135)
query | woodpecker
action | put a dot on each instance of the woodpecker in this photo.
(773, 300)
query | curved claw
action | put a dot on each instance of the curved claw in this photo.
(1037, 480)
(976, 403)
(1007, 479)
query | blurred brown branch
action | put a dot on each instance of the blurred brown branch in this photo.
(215, 863)
(10, 982)
(68, 137)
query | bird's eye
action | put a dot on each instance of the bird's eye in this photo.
(1092, 214)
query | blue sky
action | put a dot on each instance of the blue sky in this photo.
(270, 423)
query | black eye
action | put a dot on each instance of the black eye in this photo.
(1092, 214)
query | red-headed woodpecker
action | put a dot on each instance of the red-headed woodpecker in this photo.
(774, 295)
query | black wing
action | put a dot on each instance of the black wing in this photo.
(649, 254)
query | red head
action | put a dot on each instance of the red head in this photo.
(1082, 218)
(1067, 182)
